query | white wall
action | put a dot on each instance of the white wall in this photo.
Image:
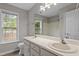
(51, 26)
(22, 26)
(45, 27)
(72, 23)
(31, 17)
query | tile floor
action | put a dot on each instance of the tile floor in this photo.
(16, 53)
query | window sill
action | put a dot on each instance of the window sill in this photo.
(9, 42)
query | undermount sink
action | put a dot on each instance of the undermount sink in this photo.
(65, 48)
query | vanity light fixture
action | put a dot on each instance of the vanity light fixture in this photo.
(45, 6)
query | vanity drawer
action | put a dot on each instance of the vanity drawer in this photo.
(46, 53)
(35, 47)
(34, 53)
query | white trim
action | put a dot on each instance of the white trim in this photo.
(16, 41)
(17, 20)
(1, 54)
(1, 26)
(41, 23)
(7, 11)
(17, 25)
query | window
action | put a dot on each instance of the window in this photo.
(8, 27)
(38, 26)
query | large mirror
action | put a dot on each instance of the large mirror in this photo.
(47, 26)
(63, 25)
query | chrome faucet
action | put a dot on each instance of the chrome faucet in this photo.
(63, 41)
(35, 35)
(67, 37)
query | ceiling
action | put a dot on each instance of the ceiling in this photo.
(54, 10)
(25, 6)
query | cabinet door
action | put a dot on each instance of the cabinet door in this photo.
(26, 50)
(35, 47)
(46, 53)
(34, 53)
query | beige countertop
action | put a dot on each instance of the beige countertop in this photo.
(44, 42)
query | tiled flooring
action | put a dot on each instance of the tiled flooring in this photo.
(16, 53)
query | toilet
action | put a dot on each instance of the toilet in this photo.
(21, 48)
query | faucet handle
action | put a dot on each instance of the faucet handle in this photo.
(67, 35)
(63, 42)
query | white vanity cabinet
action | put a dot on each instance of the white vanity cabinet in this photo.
(26, 48)
(34, 50)
(34, 53)
(31, 49)
(46, 53)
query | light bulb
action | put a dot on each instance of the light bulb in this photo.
(43, 9)
(54, 3)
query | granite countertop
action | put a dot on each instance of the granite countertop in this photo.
(44, 42)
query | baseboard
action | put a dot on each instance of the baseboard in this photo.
(1, 54)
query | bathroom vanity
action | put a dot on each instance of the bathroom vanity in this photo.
(33, 49)
(40, 46)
